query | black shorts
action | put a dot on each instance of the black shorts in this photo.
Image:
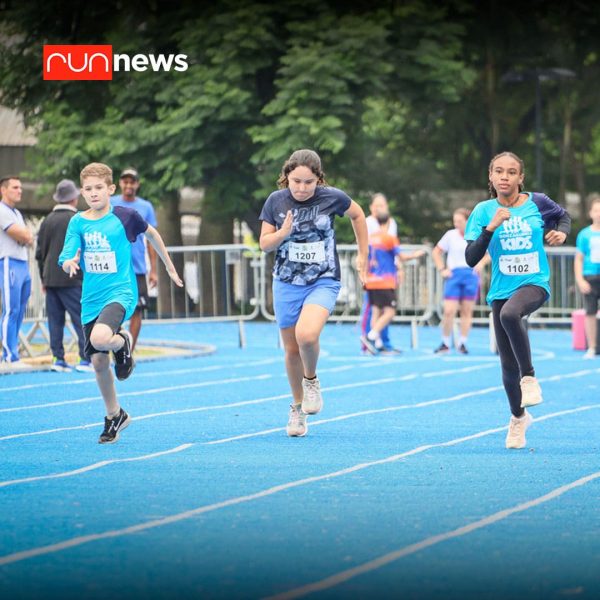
(590, 301)
(112, 315)
(382, 298)
(142, 286)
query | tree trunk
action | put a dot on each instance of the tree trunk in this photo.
(215, 274)
(565, 152)
(171, 300)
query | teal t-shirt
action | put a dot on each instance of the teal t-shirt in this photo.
(517, 246)
(588, 243)
(105, 244)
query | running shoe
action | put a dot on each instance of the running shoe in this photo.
(112, 427)
(369, 345)
(296, 426)
(590, 354)
(463, 349)
(124, 362)
(84, 366)
(531, 392)
(60, 366)
(515, 438)
(441, 349)
(312, 402)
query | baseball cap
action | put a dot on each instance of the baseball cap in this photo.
(130, 172)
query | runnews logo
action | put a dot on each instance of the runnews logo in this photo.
(98, 63)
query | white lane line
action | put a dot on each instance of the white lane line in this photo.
(263, 432)
(171, 388)
(344, 386)
(98, 465)
(157, 390)
(139, 375)
(426, 403)
(182, 516)
(362, 413)
(386, 559)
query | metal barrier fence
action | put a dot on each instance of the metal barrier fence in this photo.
(222, 282)
(416, 293)
(233, 282)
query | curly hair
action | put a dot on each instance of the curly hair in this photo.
(492, 189)
(302, 158)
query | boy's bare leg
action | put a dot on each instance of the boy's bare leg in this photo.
(106, 383)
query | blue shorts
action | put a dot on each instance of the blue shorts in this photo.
(463, 284)
(288, 299)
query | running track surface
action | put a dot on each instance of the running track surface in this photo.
(402, 487)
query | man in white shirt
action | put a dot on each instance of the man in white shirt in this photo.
(15, 281)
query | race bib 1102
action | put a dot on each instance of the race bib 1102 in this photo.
(520, 264)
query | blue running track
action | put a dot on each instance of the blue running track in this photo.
(401, 489)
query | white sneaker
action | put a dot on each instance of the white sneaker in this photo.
(590, 354)
(312, 402)
(515, 438)
(531, 392)
(296, 426)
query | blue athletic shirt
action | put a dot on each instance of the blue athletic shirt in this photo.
(146, 211)
(310, 251)
(517, 246)
(588, 243)
(105, 244)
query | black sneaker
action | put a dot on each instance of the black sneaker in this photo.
(441, 349)
(113, 426)
(124, 362)
(463, 349)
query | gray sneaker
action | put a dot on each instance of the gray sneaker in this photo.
(312, 402)
(296, 426)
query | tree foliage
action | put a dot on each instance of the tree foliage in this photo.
(405, 97)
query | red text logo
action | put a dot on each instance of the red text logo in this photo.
(78, 62)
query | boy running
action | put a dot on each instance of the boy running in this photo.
(103, 236)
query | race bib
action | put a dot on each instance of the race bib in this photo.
(100, 262)
(520, 264)
(313, 252)
(595, 249)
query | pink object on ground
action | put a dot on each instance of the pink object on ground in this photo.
(578, 329)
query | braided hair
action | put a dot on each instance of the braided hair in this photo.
(491, 188)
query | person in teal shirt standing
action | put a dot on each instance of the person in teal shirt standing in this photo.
(587, 274)
(512, 227)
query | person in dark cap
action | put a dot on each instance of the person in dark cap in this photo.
(63, 293)
(129, 182)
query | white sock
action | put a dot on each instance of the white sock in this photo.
(462, 340)
(446, 340)
(372, 335)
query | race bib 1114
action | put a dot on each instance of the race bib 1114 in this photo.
(100, 262)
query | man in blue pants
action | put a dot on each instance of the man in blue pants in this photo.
(15, 281)
(63, 293)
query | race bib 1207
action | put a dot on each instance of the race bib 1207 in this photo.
(312, 252)
(520, 264)
(100, 262)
